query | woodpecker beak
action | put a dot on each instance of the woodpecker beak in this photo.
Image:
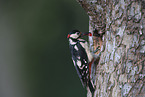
(68, 36)
(87, 34)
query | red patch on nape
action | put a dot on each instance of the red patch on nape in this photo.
(90, 64)
(68, 36)
(90, 34)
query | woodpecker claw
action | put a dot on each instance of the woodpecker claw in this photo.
(96, 56)
(97, 49)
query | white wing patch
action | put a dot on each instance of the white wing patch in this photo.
(71, 42)
(74, 62)
(84, 60)
(89, 54)
(76, 48)
(79, 63)
(79, 57)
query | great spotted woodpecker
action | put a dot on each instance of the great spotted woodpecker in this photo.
(82, 57)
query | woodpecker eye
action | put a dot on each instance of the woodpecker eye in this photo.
(77, 33)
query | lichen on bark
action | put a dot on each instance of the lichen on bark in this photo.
(120, 71)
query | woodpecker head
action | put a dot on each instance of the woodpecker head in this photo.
(75, 34)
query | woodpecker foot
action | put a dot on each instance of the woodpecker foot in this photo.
(96, 56)
(97, 49)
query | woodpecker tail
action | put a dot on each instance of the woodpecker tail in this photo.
(91, 87)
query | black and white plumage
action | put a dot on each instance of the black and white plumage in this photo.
(81, 56)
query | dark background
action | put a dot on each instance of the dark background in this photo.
(35, 60)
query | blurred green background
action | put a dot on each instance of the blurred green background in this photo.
(35, 60)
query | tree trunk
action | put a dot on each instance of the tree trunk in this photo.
(120, 71)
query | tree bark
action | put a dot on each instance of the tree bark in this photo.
(120, 71)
